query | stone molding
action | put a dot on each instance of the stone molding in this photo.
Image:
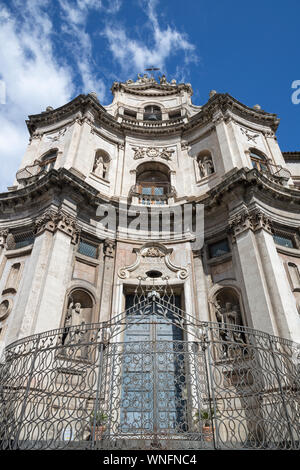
(249, 220)
(52, 221)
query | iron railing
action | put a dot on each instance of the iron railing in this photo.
(151, 378)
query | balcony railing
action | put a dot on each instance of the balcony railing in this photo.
(212, 386)
(152, 193)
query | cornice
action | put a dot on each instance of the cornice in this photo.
(215, 110)
(141, 89)
(291, 156)
(60, 180)
(217, 107)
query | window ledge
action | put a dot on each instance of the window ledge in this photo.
(288, 251)
(219, 259)
(25, 250)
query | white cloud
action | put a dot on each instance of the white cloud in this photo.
(33, 74)
(135, 55)
(33, 79)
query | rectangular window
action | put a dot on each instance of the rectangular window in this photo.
(218, 249)
(284, 241)
(87, 249)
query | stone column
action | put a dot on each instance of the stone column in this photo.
(247, 255)
(3, 236)
(58, 272)
(283, 301)
(224, 143)
(26, 308)
(200, 290)
(108, 279)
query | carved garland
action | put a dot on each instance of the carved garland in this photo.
(152, 152)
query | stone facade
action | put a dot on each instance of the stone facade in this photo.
(55, 254)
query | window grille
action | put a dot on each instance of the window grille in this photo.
(23, 239)
(284, 241)
(87, 249)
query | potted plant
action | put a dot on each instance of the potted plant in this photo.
(99, 420)
(205, 416)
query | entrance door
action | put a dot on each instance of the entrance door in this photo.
(153, 374)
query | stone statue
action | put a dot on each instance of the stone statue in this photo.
(163, 80)
(73, 318)
(99, 166)
(208, 164)
(206, 167)
(228, 317)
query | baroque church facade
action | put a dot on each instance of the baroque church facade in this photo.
(61, 267)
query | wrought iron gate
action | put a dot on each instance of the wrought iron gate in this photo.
(151, 378)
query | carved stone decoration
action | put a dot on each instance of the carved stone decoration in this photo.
(249, 220)
(152, 256)
(56, 137)
(250, 137)
(52, 221)
(5, 308)
(152, 152)
(109, 248)
(10, 242)
(153, 252)
(3, 237)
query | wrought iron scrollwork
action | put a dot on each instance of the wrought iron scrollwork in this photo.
(193, 390)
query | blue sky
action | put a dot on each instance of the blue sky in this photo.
(51, 51)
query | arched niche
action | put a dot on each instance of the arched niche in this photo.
(101, 164)
(227, 307)
(78, 312)
(204, 165)
(79, 308)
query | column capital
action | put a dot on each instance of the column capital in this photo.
(53, 220)
(254, 220)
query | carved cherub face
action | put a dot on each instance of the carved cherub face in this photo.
(77, 307)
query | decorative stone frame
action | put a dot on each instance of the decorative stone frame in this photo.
(9, 307)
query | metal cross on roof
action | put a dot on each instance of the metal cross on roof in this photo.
(152, 69)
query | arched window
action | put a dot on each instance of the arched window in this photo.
(47, 161)
(153, 183)
(152, 113)
(258, 160)
(101, 164)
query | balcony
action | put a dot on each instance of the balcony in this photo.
(182, 384)
(152, 193)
